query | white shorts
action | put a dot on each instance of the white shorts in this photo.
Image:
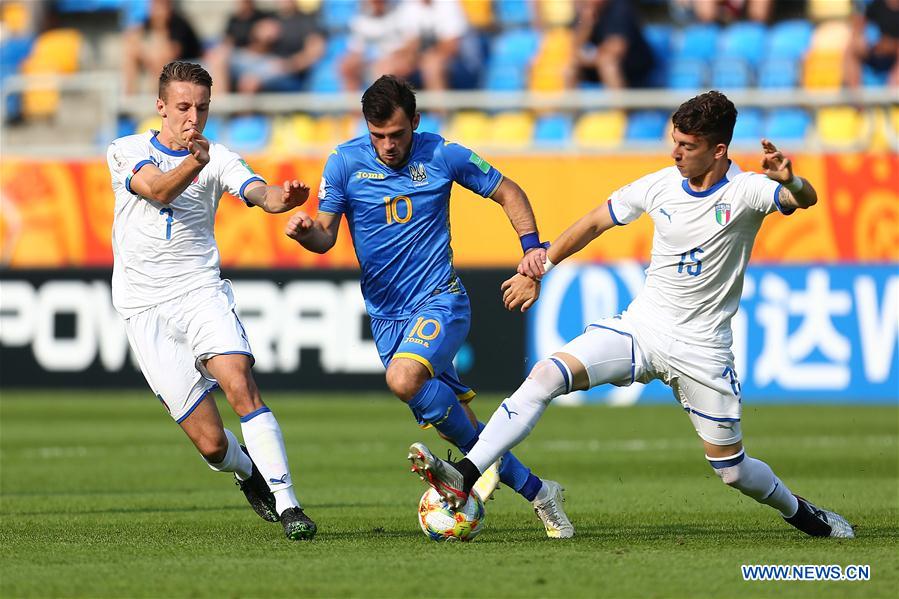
(620, 351)
(172, 340)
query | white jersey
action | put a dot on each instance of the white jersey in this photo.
(700, 248)
(162, 251)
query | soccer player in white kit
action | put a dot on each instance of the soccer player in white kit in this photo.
(179, 314)
(706, 213)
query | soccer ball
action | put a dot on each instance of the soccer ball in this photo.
(440, 522)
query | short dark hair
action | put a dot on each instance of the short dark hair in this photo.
(384, 96)
(710, 115)
(183, 71)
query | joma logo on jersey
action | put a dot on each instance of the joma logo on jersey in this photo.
(722, 214)
(418, 174)
(365, 175)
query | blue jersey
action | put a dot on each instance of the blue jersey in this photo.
(399, 218)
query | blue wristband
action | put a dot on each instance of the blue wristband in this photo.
(530, 241)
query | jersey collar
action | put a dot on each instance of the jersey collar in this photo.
(732, 170)
(158, 145)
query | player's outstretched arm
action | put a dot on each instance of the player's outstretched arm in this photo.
(274, 199)
(151, 183)
(317, 235)
(796, 192)
(518, 209)
(582, 232)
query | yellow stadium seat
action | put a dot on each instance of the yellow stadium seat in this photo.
(556, 12)
(556, 44)
(151, 122)
(829, 9)
(548, 72)
(547, 77)
(823, 70)
(512, 129)
(55, 51)
(15, 18)
(830, 36)
(601, 129)
(292, 133)
(468, 127)
(842, 126)
(478, 12)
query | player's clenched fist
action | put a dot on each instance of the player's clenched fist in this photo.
(298, 225)
(198, 146)
(520, 292)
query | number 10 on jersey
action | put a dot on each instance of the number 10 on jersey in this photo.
(396, 214)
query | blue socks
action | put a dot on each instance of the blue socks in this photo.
(436, 404)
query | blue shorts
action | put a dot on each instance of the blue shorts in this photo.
(431, 336)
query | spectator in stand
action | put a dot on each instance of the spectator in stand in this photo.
(165, 36)
(684, 12)
(279, 53)
(446, 55)
(609, 46)
(380, 43)
(883, 55)
(237, 36)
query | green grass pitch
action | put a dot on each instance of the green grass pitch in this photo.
(101, 495)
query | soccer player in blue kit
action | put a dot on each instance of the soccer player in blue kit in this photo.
(393, 185)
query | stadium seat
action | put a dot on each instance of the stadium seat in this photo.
(512, 129)
(214, 128)
(55, 51)
(516, 47)
(831, 36)
(789, 40)
(15, 20)
(823, 70)
(686, 73)
(502, 77)
(659, 39)
(646, 125)
(730, 73)
(548, 72)
(819, 10)
(778, 73)
(292, 133)
(478, 12)
(748, 129)
(151, 122)
(336, 46)
(557, 12)
(324, 78)
(787, 124)
(468, 127)
(336, 16)
(600, 129)
(698, 42)
(248, 133)
(512, 13)
(744, 40)
(842, 126)
(553, 129)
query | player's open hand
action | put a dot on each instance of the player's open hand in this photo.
(198, 146)
(531, 264)
(295, 193)
(520, 292)
(298, 225)
(777, 166)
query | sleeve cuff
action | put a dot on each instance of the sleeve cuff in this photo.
(612, 214)
(134, 170)
(244, 187)
(777, 202)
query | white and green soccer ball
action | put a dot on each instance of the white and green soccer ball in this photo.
(440, 522)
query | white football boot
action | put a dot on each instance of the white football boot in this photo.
(548, 507)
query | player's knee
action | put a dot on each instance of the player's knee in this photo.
(730, 475)
(403, 383)
(212, 446)
(730, 470)
(242, 394)
(553, 375)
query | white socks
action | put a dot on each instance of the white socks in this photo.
(518, 415)
(263, 437)
(755, 478)
(235, 459)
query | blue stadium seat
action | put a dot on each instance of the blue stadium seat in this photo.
(749, 126)
(502, 77)
(429, 123)
(786, 124)
(336, 46)
(553, 128)
(646, 125)
(873, 78)
(698, 41)
(744, 40)
(324, 78)
(686, 73)
(789, 39)
(659, 39)
(730, 73)
(512, 13)
(13, 50)
(515, 47)
(778, 73)
(213, 129)
(248, 133)
(337, 14)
